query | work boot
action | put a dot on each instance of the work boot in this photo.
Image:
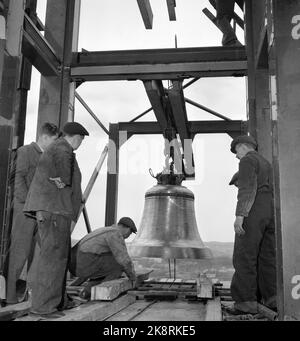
(271, 303)
(229, 36)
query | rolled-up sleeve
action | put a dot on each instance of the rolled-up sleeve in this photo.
(118, 248)
(247, 184)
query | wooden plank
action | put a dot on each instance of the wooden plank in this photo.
(161, 293)
(14, 311)
(97, 311)
(146, 12)
(91, 311)
(226, 284)
(130, 312)
(213, 310)
(109, 290)
(204, 287)
(173, 311)
(190, 281)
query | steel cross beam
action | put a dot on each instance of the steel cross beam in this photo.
(146, 13)
(155, 92)
(38, 51)
(171, 9)
(159, 64)
(179, 114)
(160, 105)
(232, 128)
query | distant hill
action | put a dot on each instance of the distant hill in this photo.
(220, 264)
(220, 249)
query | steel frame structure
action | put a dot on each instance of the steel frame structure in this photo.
(270, 62)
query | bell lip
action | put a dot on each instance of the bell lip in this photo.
(167, 252)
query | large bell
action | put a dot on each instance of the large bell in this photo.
(168, 228)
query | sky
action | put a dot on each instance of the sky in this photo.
(118, 25)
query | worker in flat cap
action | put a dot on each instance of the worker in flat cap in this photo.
(102, 255)
(23, 233)
(254, 246)
(54, 198)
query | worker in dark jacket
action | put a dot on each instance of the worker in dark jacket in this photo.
(102, 254)
(254, 247)
(24, 228)
(55, 197)
(225, 12)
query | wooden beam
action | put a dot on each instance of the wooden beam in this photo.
(204, 287)
(213, 310)
(171, 9)
(146, 12)
(90, 185)
(107, 291)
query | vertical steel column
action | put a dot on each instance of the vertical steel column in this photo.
(57, 94)
(9, 106)
(112, 175)
(2, 41)
(23, 86)
(285, 84)
(250, 79)
(258, 79)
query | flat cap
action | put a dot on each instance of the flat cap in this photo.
(127, 222)
(234, 178)
(75, 128)
(242, 139)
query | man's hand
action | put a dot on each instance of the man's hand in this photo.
(39, 216)
(59, 184)
(238, 225)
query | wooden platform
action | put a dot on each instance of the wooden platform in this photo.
(91, 311)
(172, 300)
(162, 311)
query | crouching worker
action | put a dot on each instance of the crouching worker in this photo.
(102, 255)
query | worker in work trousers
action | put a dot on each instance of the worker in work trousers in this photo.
(102, 255)
(225, 12)
(24, 228)
(254, 247)
(55, 198)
